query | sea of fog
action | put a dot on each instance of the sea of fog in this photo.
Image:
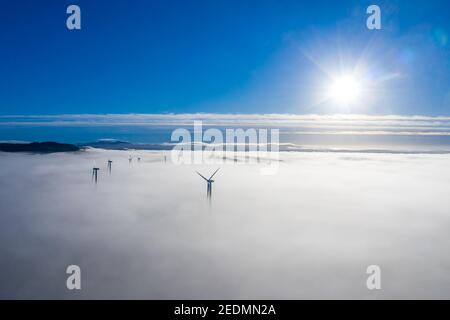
(309, 230)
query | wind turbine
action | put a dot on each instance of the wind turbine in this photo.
(109, 165)
(94, 173)
(209, 183)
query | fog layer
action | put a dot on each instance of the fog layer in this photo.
(147, 230)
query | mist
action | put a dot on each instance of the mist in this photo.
(147, 231)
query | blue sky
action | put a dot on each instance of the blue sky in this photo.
(222, 57)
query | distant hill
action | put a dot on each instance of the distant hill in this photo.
(122, 145)
(39, 147)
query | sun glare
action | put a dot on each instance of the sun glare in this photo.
(345, 89)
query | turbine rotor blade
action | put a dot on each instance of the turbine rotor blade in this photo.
(214, 174)
(201, 175)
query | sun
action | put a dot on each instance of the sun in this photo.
(345, 89)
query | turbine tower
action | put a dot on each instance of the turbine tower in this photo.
(109, 165)
(94, 173)
(209, 183)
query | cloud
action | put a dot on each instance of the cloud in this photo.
(146, 230)
(304, 124)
